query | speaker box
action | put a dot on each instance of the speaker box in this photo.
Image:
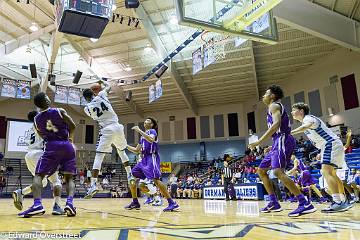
(161, 71)
(132, 3)
(33, 70)
(51, 78)
(77, 77)
(128, 96)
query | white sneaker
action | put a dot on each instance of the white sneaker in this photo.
(91, 192)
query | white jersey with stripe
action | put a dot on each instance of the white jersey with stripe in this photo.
(100, 110)
(318, 133)
(35, 142)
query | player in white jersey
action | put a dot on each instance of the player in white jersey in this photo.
(332, 153)
(111, 132)
(35, 151)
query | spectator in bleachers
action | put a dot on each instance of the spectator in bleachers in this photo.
(2, 183)
(88, 174)
(113, 192)
(187, 193)
(208, 182)
(197, 190)
(82, 177)
(173, 185)
(105, 183)
(2, 169)
(180, 189)
(9, 170)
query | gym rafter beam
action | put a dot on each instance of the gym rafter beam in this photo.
(320, 22)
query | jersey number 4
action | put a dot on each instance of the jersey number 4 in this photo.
(50, 126)
(103, 109)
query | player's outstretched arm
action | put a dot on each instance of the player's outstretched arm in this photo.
(276, 116)
(69, 121)
(107, 86)
(135, 150)
(148, 138)
(302, 128)
(348, 139)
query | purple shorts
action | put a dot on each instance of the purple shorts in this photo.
(58, 155)
(280, 153)
(149, 167)
(306, 179)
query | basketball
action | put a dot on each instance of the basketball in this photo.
(96, 88)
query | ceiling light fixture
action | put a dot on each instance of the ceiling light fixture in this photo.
(128, 68)
(94, 40)
(148, 49)
(113, 7)
(34, 27)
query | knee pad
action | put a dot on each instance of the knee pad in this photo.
(123, 156)
(99, 157)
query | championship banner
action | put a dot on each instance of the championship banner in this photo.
(61, 94)
(209, 53)
(158, 89)
(165, 167)
(74, 96)
(152, 93)
(8, 88)
(197, 61)
(246, 191)
(23, 89)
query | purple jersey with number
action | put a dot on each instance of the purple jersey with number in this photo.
(148, 148)
(59, 153)
(51, 125)
(149, 166)
(285, 126)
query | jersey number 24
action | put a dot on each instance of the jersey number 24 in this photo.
(103, 109)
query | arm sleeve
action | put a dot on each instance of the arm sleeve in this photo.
(312, 120)
(152, 133)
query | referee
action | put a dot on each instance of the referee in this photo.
(227, 179)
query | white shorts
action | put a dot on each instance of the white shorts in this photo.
(31, 159)
(343, 173)
(333, 154)
(112, 134)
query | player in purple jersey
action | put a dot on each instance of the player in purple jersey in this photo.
(306, 180)
(279, 156)
(149, 167)
(57, 128)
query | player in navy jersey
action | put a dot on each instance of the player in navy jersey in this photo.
(149, 167)
(57, 128)
(332, 153)
(279, 156)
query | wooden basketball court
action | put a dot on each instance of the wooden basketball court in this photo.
(198, 219)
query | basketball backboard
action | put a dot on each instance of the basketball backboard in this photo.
(248, 19)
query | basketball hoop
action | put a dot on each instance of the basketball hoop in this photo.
(218, 41)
